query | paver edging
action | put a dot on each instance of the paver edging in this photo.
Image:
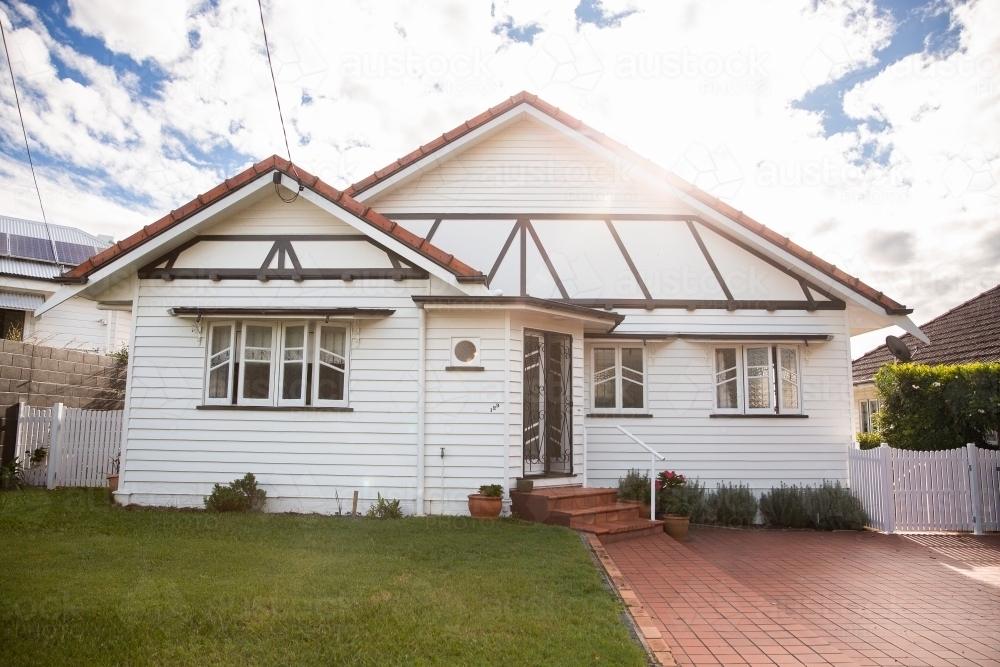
(649, 635)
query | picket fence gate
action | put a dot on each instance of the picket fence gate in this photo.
(903, 490)
(82, 445)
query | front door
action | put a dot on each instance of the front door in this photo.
(548, 404)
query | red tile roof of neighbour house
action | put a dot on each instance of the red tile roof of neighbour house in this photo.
(969, 332)
(891, 306)
(344, 201)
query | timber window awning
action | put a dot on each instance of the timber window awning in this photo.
(607, 320)
(613, 261)
(314, 313)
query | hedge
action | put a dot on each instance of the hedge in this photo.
(938, 407)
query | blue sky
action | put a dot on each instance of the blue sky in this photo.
(858, 127)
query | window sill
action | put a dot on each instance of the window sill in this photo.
(275, 408)
(616, 415)
(756, 416)
(464, 368)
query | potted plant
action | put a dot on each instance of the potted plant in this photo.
(113, 475)
(487, 503)
(675, 504)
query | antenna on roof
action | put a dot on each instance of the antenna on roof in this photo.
(898, 348)
(284, 133)
(24, 133)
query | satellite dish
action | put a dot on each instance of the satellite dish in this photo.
(898, 348)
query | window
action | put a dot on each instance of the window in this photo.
(220, 364)
(757, 379)
(618, 379)
(869, 406)
(11, 324)
(296, 363)
(331, 366)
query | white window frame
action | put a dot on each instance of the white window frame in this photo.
(769, 410)
(739, 381)
(619, 396)
(867, 403)
(280, 383)
(208, 362)
(272, 394)
(316, 400)
(743, 384)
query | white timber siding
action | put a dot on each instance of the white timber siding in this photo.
(761, 452)
(528, 168)
(77, 324)
(176, 452)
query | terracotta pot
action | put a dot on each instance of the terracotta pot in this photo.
(113, 483)
(481, 507)
(676, 526)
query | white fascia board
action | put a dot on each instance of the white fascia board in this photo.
(388, 240)
(152, 249)
(445, 153)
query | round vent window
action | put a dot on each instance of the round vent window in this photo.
(465, 351)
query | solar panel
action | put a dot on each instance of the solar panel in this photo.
(29, 247)
(74, 253)
(4, 250)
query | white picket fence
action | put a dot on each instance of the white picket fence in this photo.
(902, 490)
(82, 444)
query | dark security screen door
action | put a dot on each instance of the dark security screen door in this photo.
(548, 404)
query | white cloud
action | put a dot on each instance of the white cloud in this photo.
(363, 83)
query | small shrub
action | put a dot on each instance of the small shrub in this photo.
(634, 486)
(491, 490)
(730, 505)
(240, 496)
(384, 509)
(12, 476)
(827, 507)
(785, 507)
(834, 508)
(869, 440)
(684, 500)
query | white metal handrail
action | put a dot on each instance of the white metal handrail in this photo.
(653, 455)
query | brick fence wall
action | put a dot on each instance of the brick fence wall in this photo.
(41, 376)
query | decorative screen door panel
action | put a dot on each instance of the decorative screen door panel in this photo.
(548, 404)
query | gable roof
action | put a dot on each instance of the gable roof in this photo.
(891, 306)
(966, 333)
(268, 166)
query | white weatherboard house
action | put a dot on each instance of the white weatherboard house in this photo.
(460, 317)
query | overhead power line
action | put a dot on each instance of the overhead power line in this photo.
(281, 117)
(24, 133)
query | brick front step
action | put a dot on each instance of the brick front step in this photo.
(596, 511)
(616, 531)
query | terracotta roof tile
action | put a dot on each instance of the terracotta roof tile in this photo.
(524, 97)
(969, 332)
(230, 185)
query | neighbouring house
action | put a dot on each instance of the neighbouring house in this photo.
(967, 333)
(489, 307)
(33, 256)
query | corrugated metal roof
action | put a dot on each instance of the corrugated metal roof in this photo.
(18, 301)
(12, 266)
(28, 242)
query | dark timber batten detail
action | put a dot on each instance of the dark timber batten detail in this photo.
(524, 228)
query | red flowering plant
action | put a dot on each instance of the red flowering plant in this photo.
(674, 495)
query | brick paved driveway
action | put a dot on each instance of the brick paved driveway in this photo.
(727, 597)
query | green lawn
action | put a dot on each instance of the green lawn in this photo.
(85, 583)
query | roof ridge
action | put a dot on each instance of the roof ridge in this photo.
(314, 183)
(891, 306)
